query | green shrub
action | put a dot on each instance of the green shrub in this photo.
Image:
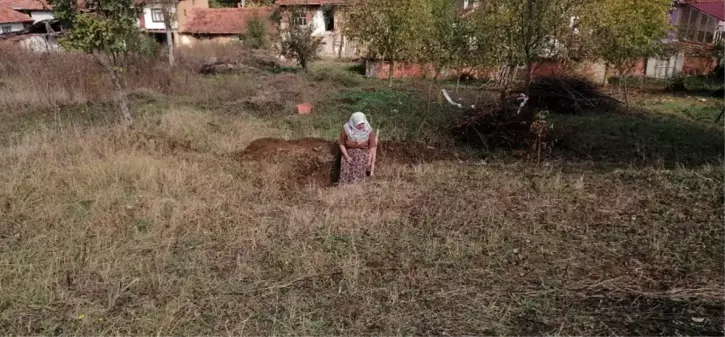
(256, 35)
(147, 46)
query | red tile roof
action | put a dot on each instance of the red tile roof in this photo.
(8, 15)
(224, 20)
(309, 2)
(714, 8)
(36, 5)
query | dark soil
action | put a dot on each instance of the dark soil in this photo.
(265, 148)
(315, 162)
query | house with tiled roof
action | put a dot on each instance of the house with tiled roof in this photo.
(699, 21)
(16, 15)
(152, 17)
(29, 24)
(38, 10)
(326, 16)
(13, 21)
(222, 24)
(698, 25)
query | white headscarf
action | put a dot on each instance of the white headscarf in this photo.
(351, 130)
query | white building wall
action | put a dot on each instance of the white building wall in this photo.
(14, 27)
(319, 21)
(148, 18)
(665, 67)
(41, 15)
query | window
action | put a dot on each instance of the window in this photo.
(157, 15)
(6, 29)
(300, 19)
(696, 26)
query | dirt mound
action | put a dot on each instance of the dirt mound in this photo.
(315, 162)
(238, 60)
(414, 153)
(266, 148)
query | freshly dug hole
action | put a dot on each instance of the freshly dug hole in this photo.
(316, 162)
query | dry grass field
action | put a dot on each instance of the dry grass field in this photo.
(167, 229)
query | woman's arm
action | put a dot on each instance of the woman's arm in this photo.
(341, 142)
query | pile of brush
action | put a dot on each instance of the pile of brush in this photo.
(569, 95)
(494, 126)
(513, 123)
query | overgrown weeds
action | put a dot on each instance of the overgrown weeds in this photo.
(32, 81)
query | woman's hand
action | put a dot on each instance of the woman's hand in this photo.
(345, 156)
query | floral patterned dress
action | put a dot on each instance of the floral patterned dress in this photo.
(355, 170)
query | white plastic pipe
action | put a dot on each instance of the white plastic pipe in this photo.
(448, 98)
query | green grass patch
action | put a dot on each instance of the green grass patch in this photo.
(638, 139)
(701, 110)
(399, 114)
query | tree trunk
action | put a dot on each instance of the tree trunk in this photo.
(342, 44)
(122, 100)
(626, 98)
(390, 73)
(458, 81)
(430, 89)
(720, 115)
(170, 43)
(120, 91)
(527, 81)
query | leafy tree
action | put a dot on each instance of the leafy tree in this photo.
(439, 47)
(470, 49)
(451, 40)
(520, 32)
(626, 31)
(389, 30)
(108, 32)
(298, 41)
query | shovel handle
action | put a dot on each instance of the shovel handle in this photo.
(374, 154)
